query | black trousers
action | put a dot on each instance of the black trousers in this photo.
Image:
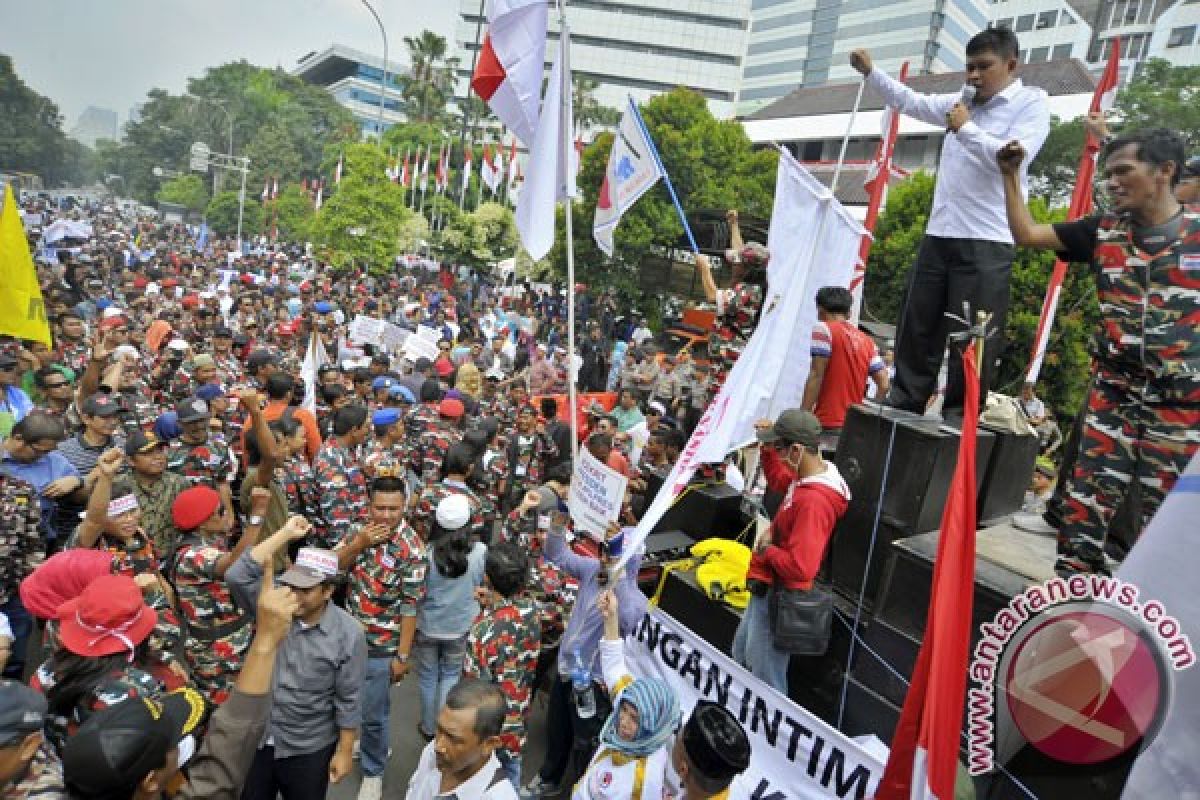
(303, 777)
(946, 273)
(570, 741)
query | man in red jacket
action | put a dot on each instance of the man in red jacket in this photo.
(789, 554)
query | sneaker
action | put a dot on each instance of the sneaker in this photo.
(537, 787)
(1034, 523)
(371, 788)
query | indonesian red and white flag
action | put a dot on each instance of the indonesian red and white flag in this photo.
(274, 188)
(513, 167)
(337, 172)
(508, 74)
(498, 165)
(487, 170)
(443, 168)
(468, 157)
(320, 195)
(424, 177)
(266, 192)
(1081, 205)
(404, 173)
(924, 756)
(551, 177)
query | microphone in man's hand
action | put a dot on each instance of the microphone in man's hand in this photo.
(968, 94)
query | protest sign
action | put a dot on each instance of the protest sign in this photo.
(596, 495)
(418, 346)
(367, 330)
(794, 755)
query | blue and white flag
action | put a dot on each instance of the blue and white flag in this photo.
(632, 169)
(202, 238)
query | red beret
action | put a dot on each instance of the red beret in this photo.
(452, 407)
(63, 577)
(193, 506)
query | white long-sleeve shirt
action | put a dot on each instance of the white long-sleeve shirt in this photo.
(968, 202)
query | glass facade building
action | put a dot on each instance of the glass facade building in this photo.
(353, 78)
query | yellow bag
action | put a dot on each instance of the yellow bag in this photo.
(722, 575)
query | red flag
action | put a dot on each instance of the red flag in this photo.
(404, 172)
(487, 169)
(1081, 205)
(876, 184)
(924, 755)
(508, 72)
(304, 185)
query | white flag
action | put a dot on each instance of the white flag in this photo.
(550, 178)
(632, 170)
(769, 376)
(314, 359)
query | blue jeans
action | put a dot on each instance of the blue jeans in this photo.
(22, 625)
(439, 664)
(376, 706)
(754, 649)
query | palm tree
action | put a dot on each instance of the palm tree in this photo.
(429, 83)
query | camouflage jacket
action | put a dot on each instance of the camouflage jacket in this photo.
(387, 583)
(503, 647)
(207, 464)
(21, 544)
(344, 494)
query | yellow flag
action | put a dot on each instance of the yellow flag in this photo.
(22, 312)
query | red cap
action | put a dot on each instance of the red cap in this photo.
(113, 322)
(139, 282)
(190, 301)
(108, 617)
(194, 506)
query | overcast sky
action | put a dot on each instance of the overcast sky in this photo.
(109, 53)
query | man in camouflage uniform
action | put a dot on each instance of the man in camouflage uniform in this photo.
(73, 346)
(433, 444)
(218, 631)
(229, 368)
(503, 647)
(21, 550)
(457, 468)
(340, 478)
(201, 458)
(552, 589)
(1143, 409)
(29, 768)
(387, 561)
(423, 414)
(694, 397)
(188, 378)
(529, 452)
(388, 453)
(155, 486)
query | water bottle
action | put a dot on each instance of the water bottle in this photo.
(584, 693)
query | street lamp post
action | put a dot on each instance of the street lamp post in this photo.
(201, 158)
(228, 118)
(383, 77)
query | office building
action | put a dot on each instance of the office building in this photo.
(1049, 30)
(95, 124)
(812, 121)
(1148, 29)
(353, 78)
(640, 48)
(802, 43)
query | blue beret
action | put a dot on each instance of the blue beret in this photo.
(382, 382)
(103, 303)
(402, 391)
(323, 307)
(209, 392)
(385, 416)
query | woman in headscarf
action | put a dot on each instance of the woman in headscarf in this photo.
(635, 742)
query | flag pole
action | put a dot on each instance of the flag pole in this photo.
(837, 171)
(465, 178)
(566, 129)
(666, 178)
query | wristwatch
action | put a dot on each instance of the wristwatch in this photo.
(254, 521)
(402, 658)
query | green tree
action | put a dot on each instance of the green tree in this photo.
(429, 84)
(1161, 94)
(482, 237)
(222, 215)
(1052, 174)
(712, 166)
(363, 220)
(31, 135)
(292, 212)
(187, 190)
(589, 113)
(1064, 377)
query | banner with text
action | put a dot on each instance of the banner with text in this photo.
(596, 495)
(794, 754)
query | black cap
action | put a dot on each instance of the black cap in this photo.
(260, 358)
(192, 409)
(422, 364)
(8, 360)
(117, 747)
(22, 712)
(222, 332)
(141, 441)
(101, 405)
(794, 426)
(715, 743)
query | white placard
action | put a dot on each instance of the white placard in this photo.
(596, 495)
(394, 337)
(419, 347)
(429, 334)
(793, 753)
(367, 330)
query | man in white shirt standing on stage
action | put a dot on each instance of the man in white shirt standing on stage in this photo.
(967, 251)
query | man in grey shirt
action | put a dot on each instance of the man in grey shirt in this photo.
(316, 711)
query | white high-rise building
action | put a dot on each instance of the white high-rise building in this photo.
(1047, 29)
(640, 48)
(1148, 29)
(794, 43)
(95, 124)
